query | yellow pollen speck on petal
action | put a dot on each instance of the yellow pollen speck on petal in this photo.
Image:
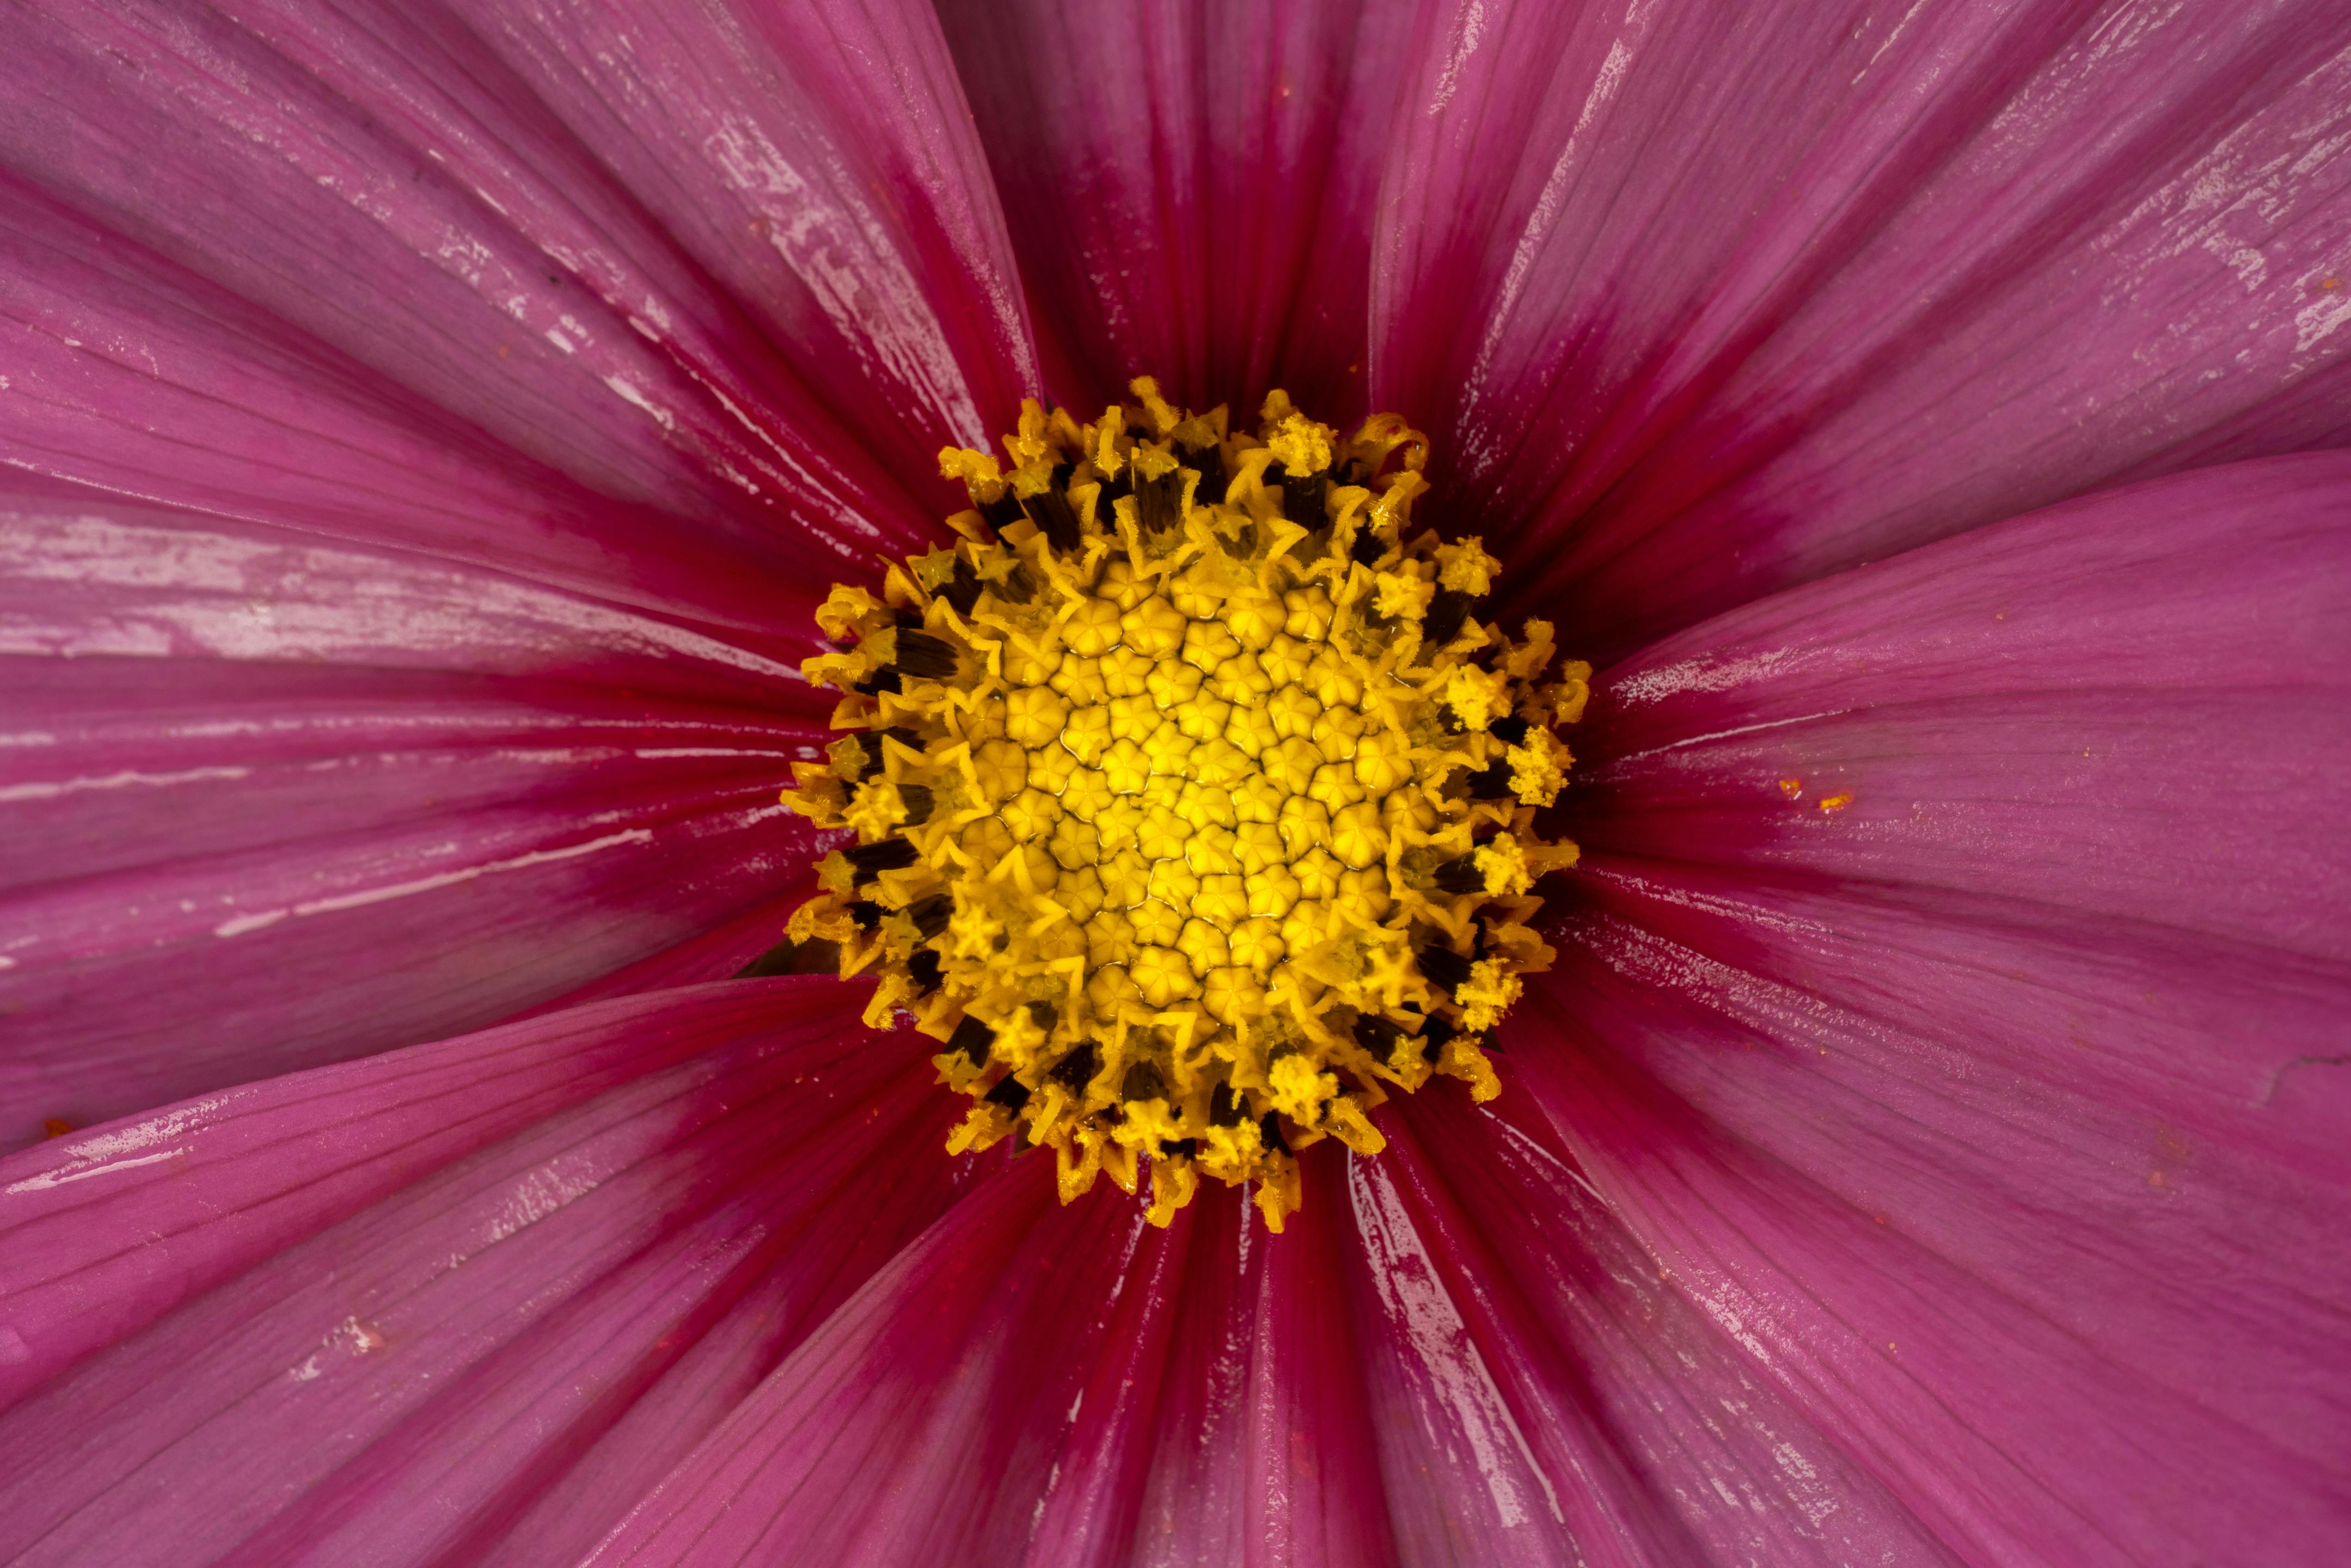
(1192, 802)
(1836, 802)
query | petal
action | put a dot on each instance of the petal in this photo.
(668, 341)
(631, 1215)
(1557, 1380)
(908, 1429)
(276, 804)
(1263, 1451)
(818, 160)
(1703, 302)
(1996, 1111)
(1053, 1386)
(2132, 705)
(1190, 189)
(280, 1161)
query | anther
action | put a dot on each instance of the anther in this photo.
(1489, 783)
(1446, 612)
(1159, 502)
(923, 656)
(1215, 481)
(1142, 1082)
(962, 589)
(974, 1039)
(1269, 1133)
(890, 854)
(931, 915)
(1075, 1071)
(1445, 968)
(1460, 875)
(1002, 512)
(1050, 510)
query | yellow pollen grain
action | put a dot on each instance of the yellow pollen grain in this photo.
(1193, 803)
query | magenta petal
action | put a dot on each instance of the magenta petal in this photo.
(2055, 1323)
(818, 160)
(920, 1423)
(275, 803)
(2133, 705)
(283, 261)
(1997, 1108)
(663, 1196)
(1262, 1448)
(1701, 301)
(1191, 188)
(282, 1160)
(1053, 1386)
(1557, 1397)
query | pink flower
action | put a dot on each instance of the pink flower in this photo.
(429, 429)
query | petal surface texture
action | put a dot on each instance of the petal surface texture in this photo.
(1191, 188)
(1700, 303)
(275, 801)
(1044, 1386)
(459, 1302)
(1956, 1011)
(651, 300)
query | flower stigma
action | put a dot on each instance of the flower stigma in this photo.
(1194, 804)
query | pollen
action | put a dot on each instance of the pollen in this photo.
(1192, 802)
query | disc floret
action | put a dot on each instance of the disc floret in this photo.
(1193, 803)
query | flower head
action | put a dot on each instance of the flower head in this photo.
(441, 443)
(1194, 806)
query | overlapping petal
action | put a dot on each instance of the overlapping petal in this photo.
(1701, 302)
(1263, 1450)
(1992, 1107)
(633, 313)
(1191, 188)
(413, 1306)
(275, 802)
(1033, 1384)
(1587, 1410)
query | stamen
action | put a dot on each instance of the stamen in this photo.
(1195, 805)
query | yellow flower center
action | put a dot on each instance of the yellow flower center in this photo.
(1193, 803)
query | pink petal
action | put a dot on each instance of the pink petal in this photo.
(1722, 300)
(276, 803)
(292, 260)
(290, 1157)
(1189, 189)
(660, 1198)
(905, 1429)
(2133, 705)
(1994, 1112)
(1053, 1385)
(1263, 1447)
(1562, 1399)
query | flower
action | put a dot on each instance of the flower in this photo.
(429, 432)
